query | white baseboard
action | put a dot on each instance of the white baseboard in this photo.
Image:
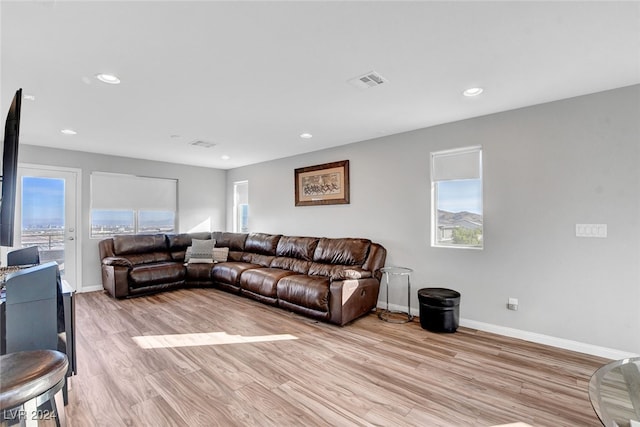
(580, 347)
(91, 288)
(609, 353)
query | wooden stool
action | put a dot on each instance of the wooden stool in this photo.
(29, 379)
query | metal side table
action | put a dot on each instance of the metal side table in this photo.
(388, 315)
(614, 390)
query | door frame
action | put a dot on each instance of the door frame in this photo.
(78, 208)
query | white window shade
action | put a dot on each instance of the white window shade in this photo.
(456, 164)
(117, 191)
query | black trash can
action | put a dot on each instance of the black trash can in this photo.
(439, 309)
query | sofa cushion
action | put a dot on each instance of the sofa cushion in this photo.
(158, 273)
(261, 260)
(229, 272)
(261, 282)
(293, 264)
(199, 272)
(342, 251)
(139, 244)
(305, 291)
(261, 243)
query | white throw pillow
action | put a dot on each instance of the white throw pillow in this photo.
(201, 251)
(220, 254)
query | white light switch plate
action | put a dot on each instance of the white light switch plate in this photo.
(591, 230)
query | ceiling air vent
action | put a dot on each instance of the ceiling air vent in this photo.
(365, 81)
(203, 144)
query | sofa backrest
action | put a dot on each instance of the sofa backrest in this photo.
(178, 243)
(345, 251)
(333, 254)
(304, 255)
(295, 253)
(233, 241)
(260, 248)
(141, 249)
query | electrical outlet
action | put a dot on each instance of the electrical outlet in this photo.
(512, 304)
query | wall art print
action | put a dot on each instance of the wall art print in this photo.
(326, 184)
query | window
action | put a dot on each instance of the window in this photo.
(128, 204)
(456, 198)
(241, 206)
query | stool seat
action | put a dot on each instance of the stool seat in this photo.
(441, 297)
(439, 309)
(29, 374)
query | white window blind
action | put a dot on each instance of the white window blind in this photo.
(119, 191)
(464, 163)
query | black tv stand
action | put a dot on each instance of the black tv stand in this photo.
(29, 313)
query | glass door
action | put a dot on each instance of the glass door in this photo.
(46, 207)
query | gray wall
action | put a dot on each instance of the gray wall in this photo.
(201, 194)
(546, 168)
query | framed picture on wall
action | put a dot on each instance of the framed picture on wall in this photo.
(326, 184)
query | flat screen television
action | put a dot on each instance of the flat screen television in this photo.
(10, 170)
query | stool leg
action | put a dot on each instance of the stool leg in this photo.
(57, 405)
(387, 307)
(30, 416)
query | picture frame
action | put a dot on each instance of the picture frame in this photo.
(326, 184)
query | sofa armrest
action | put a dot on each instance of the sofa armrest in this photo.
(351, 273)
(115, 280)
(351, 298)
(117, 261)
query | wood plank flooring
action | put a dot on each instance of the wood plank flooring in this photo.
(367, 373)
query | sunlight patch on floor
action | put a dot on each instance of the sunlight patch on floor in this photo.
(199, 339)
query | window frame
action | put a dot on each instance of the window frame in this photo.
(462, 170)
(128, 206)
(237, 223)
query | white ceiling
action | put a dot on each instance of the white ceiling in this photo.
(252, 76)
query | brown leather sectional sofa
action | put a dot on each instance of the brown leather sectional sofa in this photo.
(334, 280)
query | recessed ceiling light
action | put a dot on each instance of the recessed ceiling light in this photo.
(69, 131)
(29, 97)
(225, 157)
(473, 91)
(306, 136)
(108, 78)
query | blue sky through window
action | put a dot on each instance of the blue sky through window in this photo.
(42, 202)
(460, 196)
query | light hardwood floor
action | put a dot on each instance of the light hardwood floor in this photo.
(367, 373)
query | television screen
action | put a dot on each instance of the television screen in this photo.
(10, 170)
